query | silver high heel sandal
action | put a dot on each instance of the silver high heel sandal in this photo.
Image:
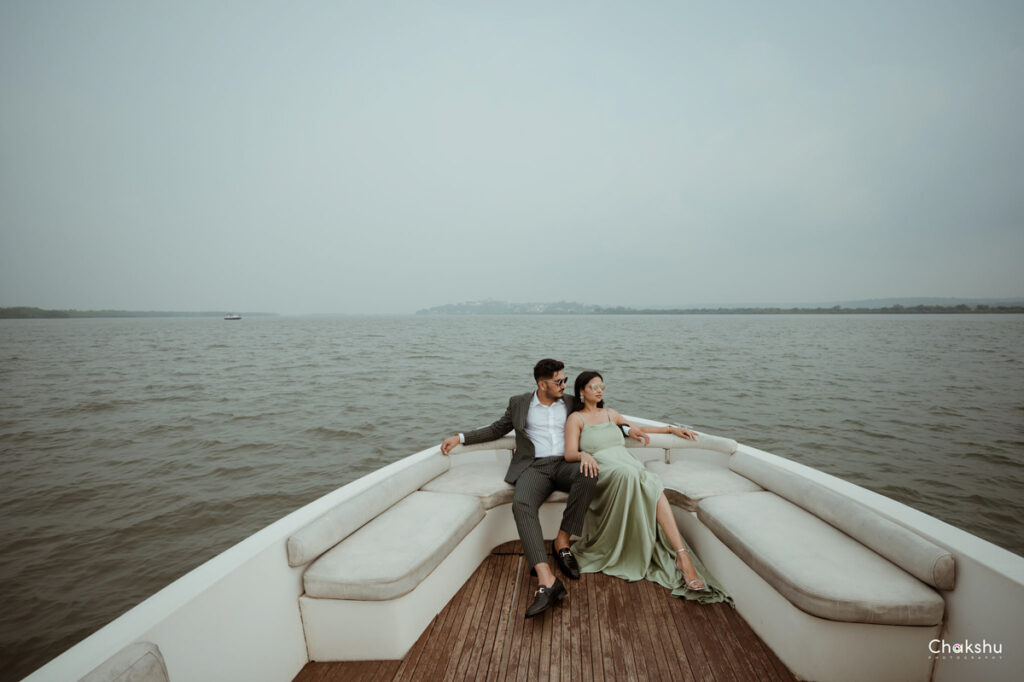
(695, 581)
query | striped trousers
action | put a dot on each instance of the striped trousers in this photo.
(540, 479)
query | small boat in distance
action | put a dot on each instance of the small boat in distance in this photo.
(232, 316)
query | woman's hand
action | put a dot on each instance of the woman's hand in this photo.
(682, 433)
(588, 465)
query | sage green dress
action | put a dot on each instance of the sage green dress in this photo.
(621, 535)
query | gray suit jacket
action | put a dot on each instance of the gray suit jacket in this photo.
(514, 418)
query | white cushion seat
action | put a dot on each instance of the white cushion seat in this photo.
(817, 567)
(393, 553)
(138, 662)
(918, 556)
(344, 518)
(687, 482)
(486, 480)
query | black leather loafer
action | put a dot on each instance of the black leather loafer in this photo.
(566, 562)
(545, 598)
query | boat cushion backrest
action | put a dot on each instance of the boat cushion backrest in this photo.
(138, 662)
(335, 525)
(916, 555)
(704, 442)
(503, 443)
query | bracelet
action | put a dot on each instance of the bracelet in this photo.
(681, 550)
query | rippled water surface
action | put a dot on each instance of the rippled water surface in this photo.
(133, 450)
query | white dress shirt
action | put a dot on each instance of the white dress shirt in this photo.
(545, 427)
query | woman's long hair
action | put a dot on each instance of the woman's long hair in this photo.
(581, 381)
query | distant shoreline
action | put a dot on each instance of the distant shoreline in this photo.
(834, 310)
(28, 313)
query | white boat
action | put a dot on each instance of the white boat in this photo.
(232, 316)
(839, 582)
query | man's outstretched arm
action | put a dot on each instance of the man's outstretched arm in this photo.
(492, 432)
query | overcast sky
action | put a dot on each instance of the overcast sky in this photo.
(302, 157)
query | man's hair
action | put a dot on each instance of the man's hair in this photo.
(546, 368)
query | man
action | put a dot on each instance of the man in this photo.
(537, 468)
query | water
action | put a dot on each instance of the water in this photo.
(133, 450)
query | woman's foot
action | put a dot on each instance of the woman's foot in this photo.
(684, 564)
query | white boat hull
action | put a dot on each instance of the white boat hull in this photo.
(238, 616)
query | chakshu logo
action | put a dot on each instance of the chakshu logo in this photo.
(982, 649)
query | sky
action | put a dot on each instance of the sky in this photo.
(383, 157)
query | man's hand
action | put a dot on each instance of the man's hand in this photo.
(448, 443)
(588, 465)
(637, 434)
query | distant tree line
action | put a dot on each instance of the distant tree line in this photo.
(570, 308)
(834, 310)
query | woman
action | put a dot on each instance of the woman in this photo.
(630, 530)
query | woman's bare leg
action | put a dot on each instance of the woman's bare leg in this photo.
(668, 524)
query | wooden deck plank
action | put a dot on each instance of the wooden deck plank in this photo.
(744, 641)
(607, 629)
(620, 651)
(774, 668)
(512, 547)
(516, 623)
(468, 634)
(594, 616)
(676, 653)
(487, 610)
(382, 671)
(647, 645)
(449, 622)
(313, 672)
(563, 648)
(713, 647)
(407, 669)
(579, 633)
(427, 655)
(497, 628)
(654, 638)
(781, 670)
(358, 671)
(692, 641)
(386, 670)
(644, 642)
(464, 631)
(530, 629)
(531, 662)
(627, 616)
(501, 671)
(525, 629)
(452, 628)
(494, 590)
(741, 662)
